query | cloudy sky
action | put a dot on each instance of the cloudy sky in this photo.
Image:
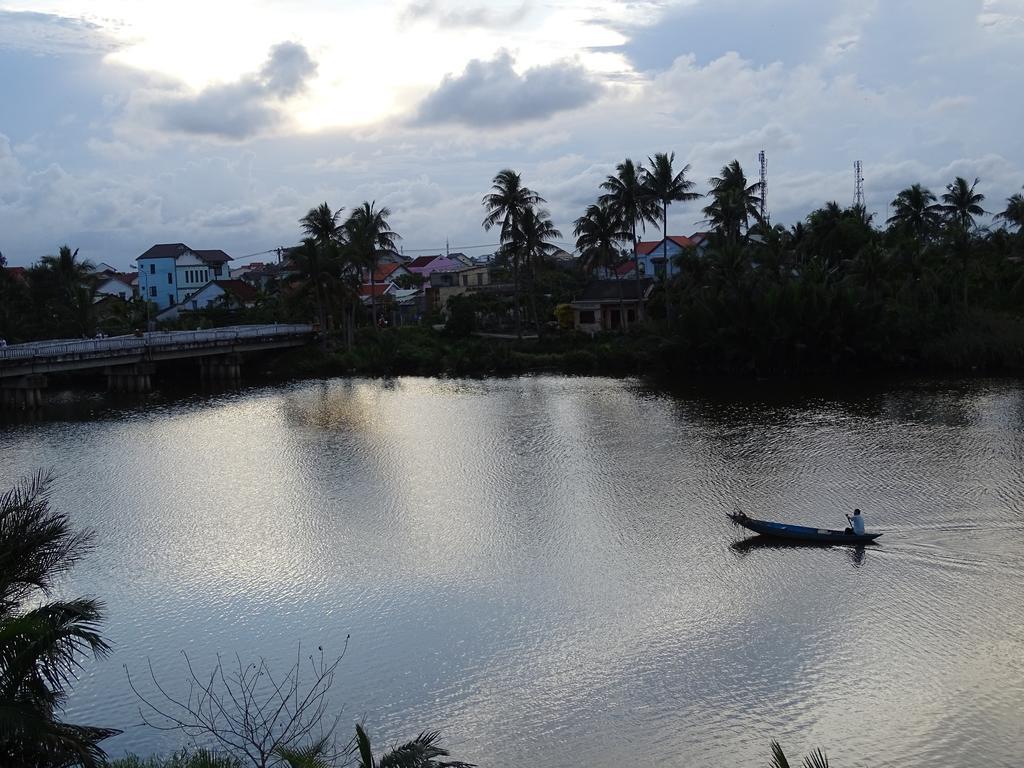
(124, 123)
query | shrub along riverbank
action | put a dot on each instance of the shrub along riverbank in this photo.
(981, 342)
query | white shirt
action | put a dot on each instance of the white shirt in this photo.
(857, 522)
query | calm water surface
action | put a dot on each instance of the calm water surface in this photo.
(542, 567)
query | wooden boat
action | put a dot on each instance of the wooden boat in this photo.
(801, 532)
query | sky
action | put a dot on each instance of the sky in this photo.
(125, 123)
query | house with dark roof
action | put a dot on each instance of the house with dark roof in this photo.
(119, 284)
(225, 294)
(171, 272)
(607, 305)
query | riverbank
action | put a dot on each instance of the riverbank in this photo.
(985, 344)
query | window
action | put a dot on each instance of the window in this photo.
(586, 317)
(152, 269)
(479, 279)
(631, 315)
(170, 278)
(216, 271)
(465, 280)
(170, 299)
(121, 294)
(152, 291)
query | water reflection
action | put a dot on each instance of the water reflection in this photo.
(755, 543)
(540, 565)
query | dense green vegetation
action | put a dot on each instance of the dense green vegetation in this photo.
(837, 293)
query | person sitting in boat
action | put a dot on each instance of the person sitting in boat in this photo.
(856, 523)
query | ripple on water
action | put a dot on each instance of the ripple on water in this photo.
(542, 566)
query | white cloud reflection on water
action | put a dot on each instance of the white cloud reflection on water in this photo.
(541, 566)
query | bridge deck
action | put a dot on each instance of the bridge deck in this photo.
(75, 354)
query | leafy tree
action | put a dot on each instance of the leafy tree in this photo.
(632, 202)
(368, 235)
(321, 224)
(41, 639)
(506, 204)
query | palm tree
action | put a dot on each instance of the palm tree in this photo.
(733, 202)
(961, 204)
(505, 205)
(42, 640)
(70, 285)
(598, 232)
(916, 212)
(627, 197)
(816, 759)
(317, 265)
(666, 186)
(69, 271)
(321, 224)
(368, 235)
(421, 752)
(1013, 214)
(536, 231)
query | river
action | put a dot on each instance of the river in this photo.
(542, 567)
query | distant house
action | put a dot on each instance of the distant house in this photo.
(17, 274)
(171, 272)
(599, 307)
(455, 280)
(652, 255)
(427, 265)
(227, 294)
(117, 284)
(390, 272)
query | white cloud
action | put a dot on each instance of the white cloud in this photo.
(492, 93)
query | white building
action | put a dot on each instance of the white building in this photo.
(171, 272)
(226, 294)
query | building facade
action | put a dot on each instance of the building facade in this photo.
(171, 272)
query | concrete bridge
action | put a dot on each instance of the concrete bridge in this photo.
(129, 361)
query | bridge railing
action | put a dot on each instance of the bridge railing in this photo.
(152, 340)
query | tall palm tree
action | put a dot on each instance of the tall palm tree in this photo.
(506, 204)
(325, 234)
(317, 265)
(1013, 214)
(733, 203)
(667, 187)
(598, 232)
(321, 224)
(369, 234)
(536, 233)
(961, 203)
(422, 752)
(627, 197)
(68, 270)
(916, 211)
(42, 640)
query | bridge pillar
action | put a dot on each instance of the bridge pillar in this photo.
(23, 392)
(137, 377)
(221, 368)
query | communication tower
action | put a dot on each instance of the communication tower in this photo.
(858, 184)
(764, 185)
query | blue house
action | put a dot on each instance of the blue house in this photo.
(171, 272)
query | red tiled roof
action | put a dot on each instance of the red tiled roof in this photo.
(240, 289)
(374, 290)
(422, 261)
(17, 273)
(624, 268)
(383, 271)
(647, 247)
